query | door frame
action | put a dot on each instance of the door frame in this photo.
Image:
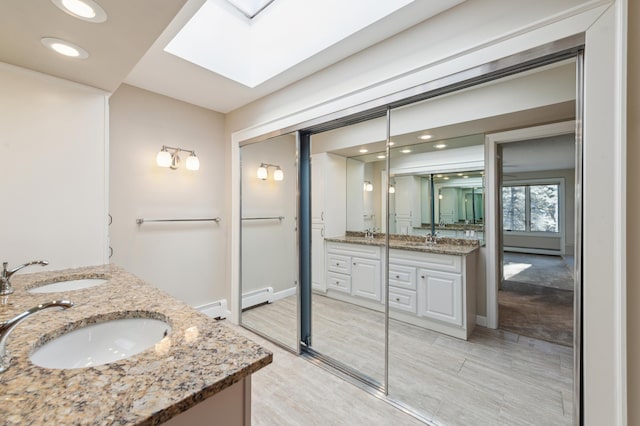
(493, 226)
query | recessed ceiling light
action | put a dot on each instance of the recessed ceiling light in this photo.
(446, 178)
(381, 157)
(405, 151)
(87, 10)
(391, 143)
(460, 174)
(363, 150)
(425, 137)
(439, 176)
(440, 146)
(64, 47)
(465, 177)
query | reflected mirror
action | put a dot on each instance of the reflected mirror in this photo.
(269, 259)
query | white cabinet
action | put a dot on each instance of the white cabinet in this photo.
(431, 290)
(318, 267)
(407, 204)
(440, 296)
(365, 278)
(437, 289)
(355, 270)
(328, 193)
(328, 205)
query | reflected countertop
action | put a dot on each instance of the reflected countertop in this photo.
(199, 357)
(454, 246)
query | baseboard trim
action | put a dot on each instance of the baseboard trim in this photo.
(481, 320)
(284, 293)
(217, 309)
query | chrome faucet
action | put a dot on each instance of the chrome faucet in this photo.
(431, 238)
(5, 284)
(7, 326)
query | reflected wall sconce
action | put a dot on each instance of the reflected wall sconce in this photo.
(368, 186)
(392, 189)
(263, 172)
(172, 159)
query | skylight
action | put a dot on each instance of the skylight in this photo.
(287, 32)
(250, 8)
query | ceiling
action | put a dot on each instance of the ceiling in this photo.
(129, 47)
(114, 46)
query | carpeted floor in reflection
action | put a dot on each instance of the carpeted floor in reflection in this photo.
(536, 299)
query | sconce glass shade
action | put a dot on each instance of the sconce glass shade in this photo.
(278, 174)
(193, 163)
(368, 186)
(262, 172)
(392, 189)
(163, 159)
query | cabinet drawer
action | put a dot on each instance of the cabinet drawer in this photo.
(402, 299)
(339, 282)
(339, 264)
(402, 276)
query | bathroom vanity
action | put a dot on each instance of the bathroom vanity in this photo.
(198, 373)
(430, 285)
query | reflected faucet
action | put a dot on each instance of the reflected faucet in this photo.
(5, 284)
(432, 238)
(8, 326)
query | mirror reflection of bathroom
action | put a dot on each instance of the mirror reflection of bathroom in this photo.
(269, 277)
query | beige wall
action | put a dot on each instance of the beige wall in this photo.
(53, 144)
(633, 207)
(187, 260)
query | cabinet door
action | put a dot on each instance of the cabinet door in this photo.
(318, 266)
(365, 278)
(440, 296)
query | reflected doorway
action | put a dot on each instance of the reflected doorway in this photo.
(536, 292)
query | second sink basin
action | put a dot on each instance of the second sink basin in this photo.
(68, 285)
(100, 343)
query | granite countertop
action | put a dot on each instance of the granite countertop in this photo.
(455, 246)
(197, 359)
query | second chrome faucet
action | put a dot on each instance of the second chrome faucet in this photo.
(5, 276)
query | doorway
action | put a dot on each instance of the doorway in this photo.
(536, 293)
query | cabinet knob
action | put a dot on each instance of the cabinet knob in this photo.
(397, 299)
(398, 276)
(354, 263)
(422, 276)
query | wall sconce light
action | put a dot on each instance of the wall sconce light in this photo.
(172, 159)
(263, 172)
(368, 186)
(392, 189)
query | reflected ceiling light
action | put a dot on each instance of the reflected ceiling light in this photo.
(263, 172)
(391, 143)
(405, 151)
(439, 176)
(368, 186)
(64, 47)
(363, 150)
(425, 137)
(465, 177)
(172, 159)
(440, 146)
(460, 174)
(87, 10)
(381, 157)
(446, 178)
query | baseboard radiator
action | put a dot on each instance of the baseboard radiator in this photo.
(257, 297)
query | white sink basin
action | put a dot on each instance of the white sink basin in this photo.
(69, 285)
(101, 343)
